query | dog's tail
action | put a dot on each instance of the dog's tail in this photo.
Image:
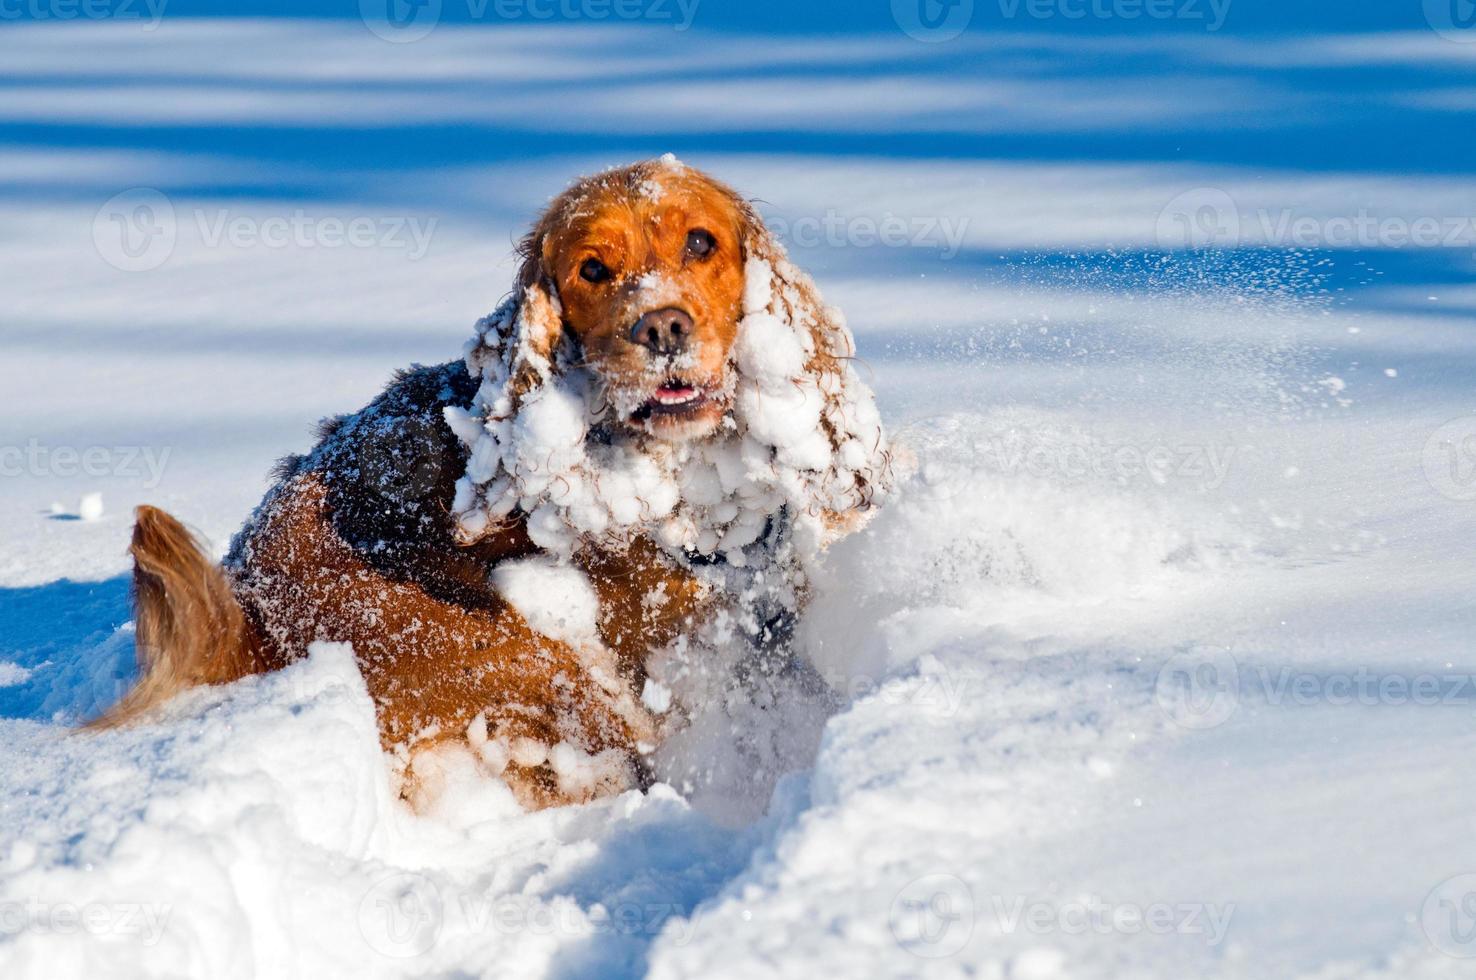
(190, 628)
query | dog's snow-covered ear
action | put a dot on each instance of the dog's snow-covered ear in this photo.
(537, 330)
(515, 353)
(856, 472)
(518, 344)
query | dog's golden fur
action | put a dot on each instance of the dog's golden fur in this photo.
(357, 542)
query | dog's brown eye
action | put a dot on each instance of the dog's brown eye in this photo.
(593, 270)
(700, 242)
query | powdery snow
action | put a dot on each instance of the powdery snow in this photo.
(993, 641)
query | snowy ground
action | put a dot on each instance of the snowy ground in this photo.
(1160, 667)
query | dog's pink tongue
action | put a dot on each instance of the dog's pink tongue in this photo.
(675, 394)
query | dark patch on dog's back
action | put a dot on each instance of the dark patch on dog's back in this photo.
(391, 470)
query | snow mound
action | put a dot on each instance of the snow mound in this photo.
(257, 828)
(186, 847)
(974, 530)
(255, 831)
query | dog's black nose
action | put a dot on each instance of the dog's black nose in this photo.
(665, 331)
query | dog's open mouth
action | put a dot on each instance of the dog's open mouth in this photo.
(675, 396)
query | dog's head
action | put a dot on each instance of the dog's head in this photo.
(653, 305)
(646, 265)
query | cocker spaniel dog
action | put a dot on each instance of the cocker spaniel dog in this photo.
(636, 463)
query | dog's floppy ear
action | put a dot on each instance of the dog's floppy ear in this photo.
(518, 344)
(532, 351)
(515, 353)
(859, 467)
